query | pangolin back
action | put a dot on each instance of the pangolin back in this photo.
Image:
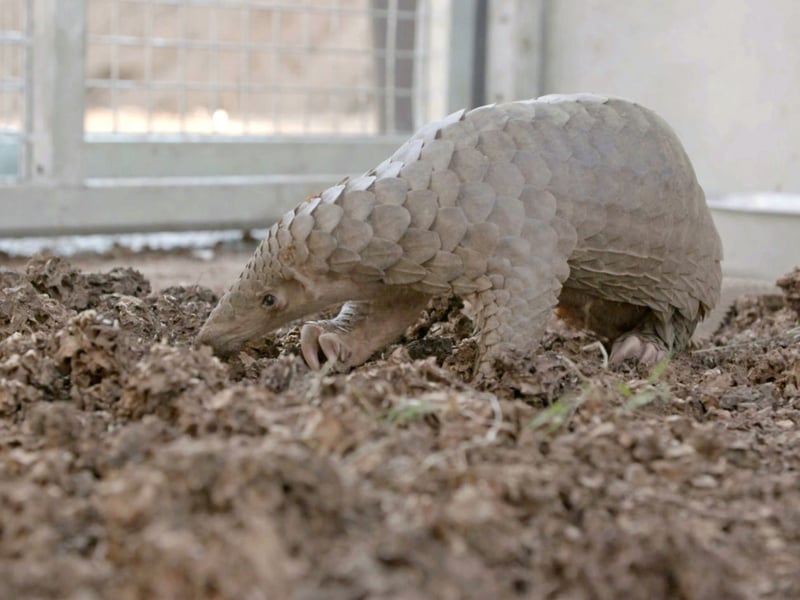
(602, 182)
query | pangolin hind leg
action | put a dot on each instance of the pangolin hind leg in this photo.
(636, 332)
(653, 339)
(643, 345)
(360, 329)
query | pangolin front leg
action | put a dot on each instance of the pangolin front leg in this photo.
(511, 316)
(360, 329)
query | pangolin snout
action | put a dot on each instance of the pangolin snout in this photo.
(222, 345)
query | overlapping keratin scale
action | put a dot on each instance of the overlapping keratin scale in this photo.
(511, 201)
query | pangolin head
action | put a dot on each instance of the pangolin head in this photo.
(265, 297)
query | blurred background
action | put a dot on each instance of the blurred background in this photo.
(136, 116)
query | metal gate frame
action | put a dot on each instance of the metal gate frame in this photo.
(76, 183)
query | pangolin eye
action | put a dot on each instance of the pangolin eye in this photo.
(269, 300)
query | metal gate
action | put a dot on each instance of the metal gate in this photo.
(145, 115)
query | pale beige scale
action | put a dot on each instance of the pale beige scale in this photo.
(582, 203)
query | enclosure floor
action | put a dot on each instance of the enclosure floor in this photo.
(135, 464)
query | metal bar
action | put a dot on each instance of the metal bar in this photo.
(286, 8)
(244, 66)
(461, 54)
(57, 134)
(195, 44)
(5, 113)
(336, 21)
(276, 31)
(148, 63)
(13, 38)
(437, 68)
(26, 148)
(180, 181)
(390, 67)
(478, 96)
(114, 68)
(515, 49)
(286, 113)
(213, 34)
(420, 76)
(199, 86)
(306, 46)
(182, 68)
(132, 156)
(149, 205)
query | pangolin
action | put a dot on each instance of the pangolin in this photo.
(583, 203)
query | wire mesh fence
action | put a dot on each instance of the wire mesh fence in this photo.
(14, 43)
(14, 56)
(254, 66)
(150, 115)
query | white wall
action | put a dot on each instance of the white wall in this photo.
(724, 73)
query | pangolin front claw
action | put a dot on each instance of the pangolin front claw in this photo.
(314, 338)
(309, 336)
(637, 348)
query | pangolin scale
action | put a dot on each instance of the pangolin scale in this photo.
(583, 203)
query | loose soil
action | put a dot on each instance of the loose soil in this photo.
(134, 465)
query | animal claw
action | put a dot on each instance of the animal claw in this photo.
(634, 347)
(314, 338)
(334, 348)
(309, 346)
(652, 354)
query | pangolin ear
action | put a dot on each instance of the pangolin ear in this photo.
(305, 281)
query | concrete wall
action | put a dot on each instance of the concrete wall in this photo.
(724, 73)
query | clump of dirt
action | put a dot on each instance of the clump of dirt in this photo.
(55, 277)
(135, 464)
(790, 284)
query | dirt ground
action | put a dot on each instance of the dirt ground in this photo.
(133, 465)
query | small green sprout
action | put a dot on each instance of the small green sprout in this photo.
(409, 410)
(652, 391)
(559, 412)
